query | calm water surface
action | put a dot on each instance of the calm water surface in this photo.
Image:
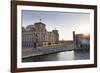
(61, 56)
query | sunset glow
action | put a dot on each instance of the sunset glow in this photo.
(64, 22)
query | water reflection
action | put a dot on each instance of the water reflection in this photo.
(62, 56)
(66, 55)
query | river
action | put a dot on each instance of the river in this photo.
(61, 56)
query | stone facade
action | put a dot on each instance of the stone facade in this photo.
(36, 35)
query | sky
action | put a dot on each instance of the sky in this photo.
(64, 22)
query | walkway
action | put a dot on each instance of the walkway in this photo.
(29, 52)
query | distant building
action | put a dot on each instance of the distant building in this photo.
(81, 40)
(36, 35)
